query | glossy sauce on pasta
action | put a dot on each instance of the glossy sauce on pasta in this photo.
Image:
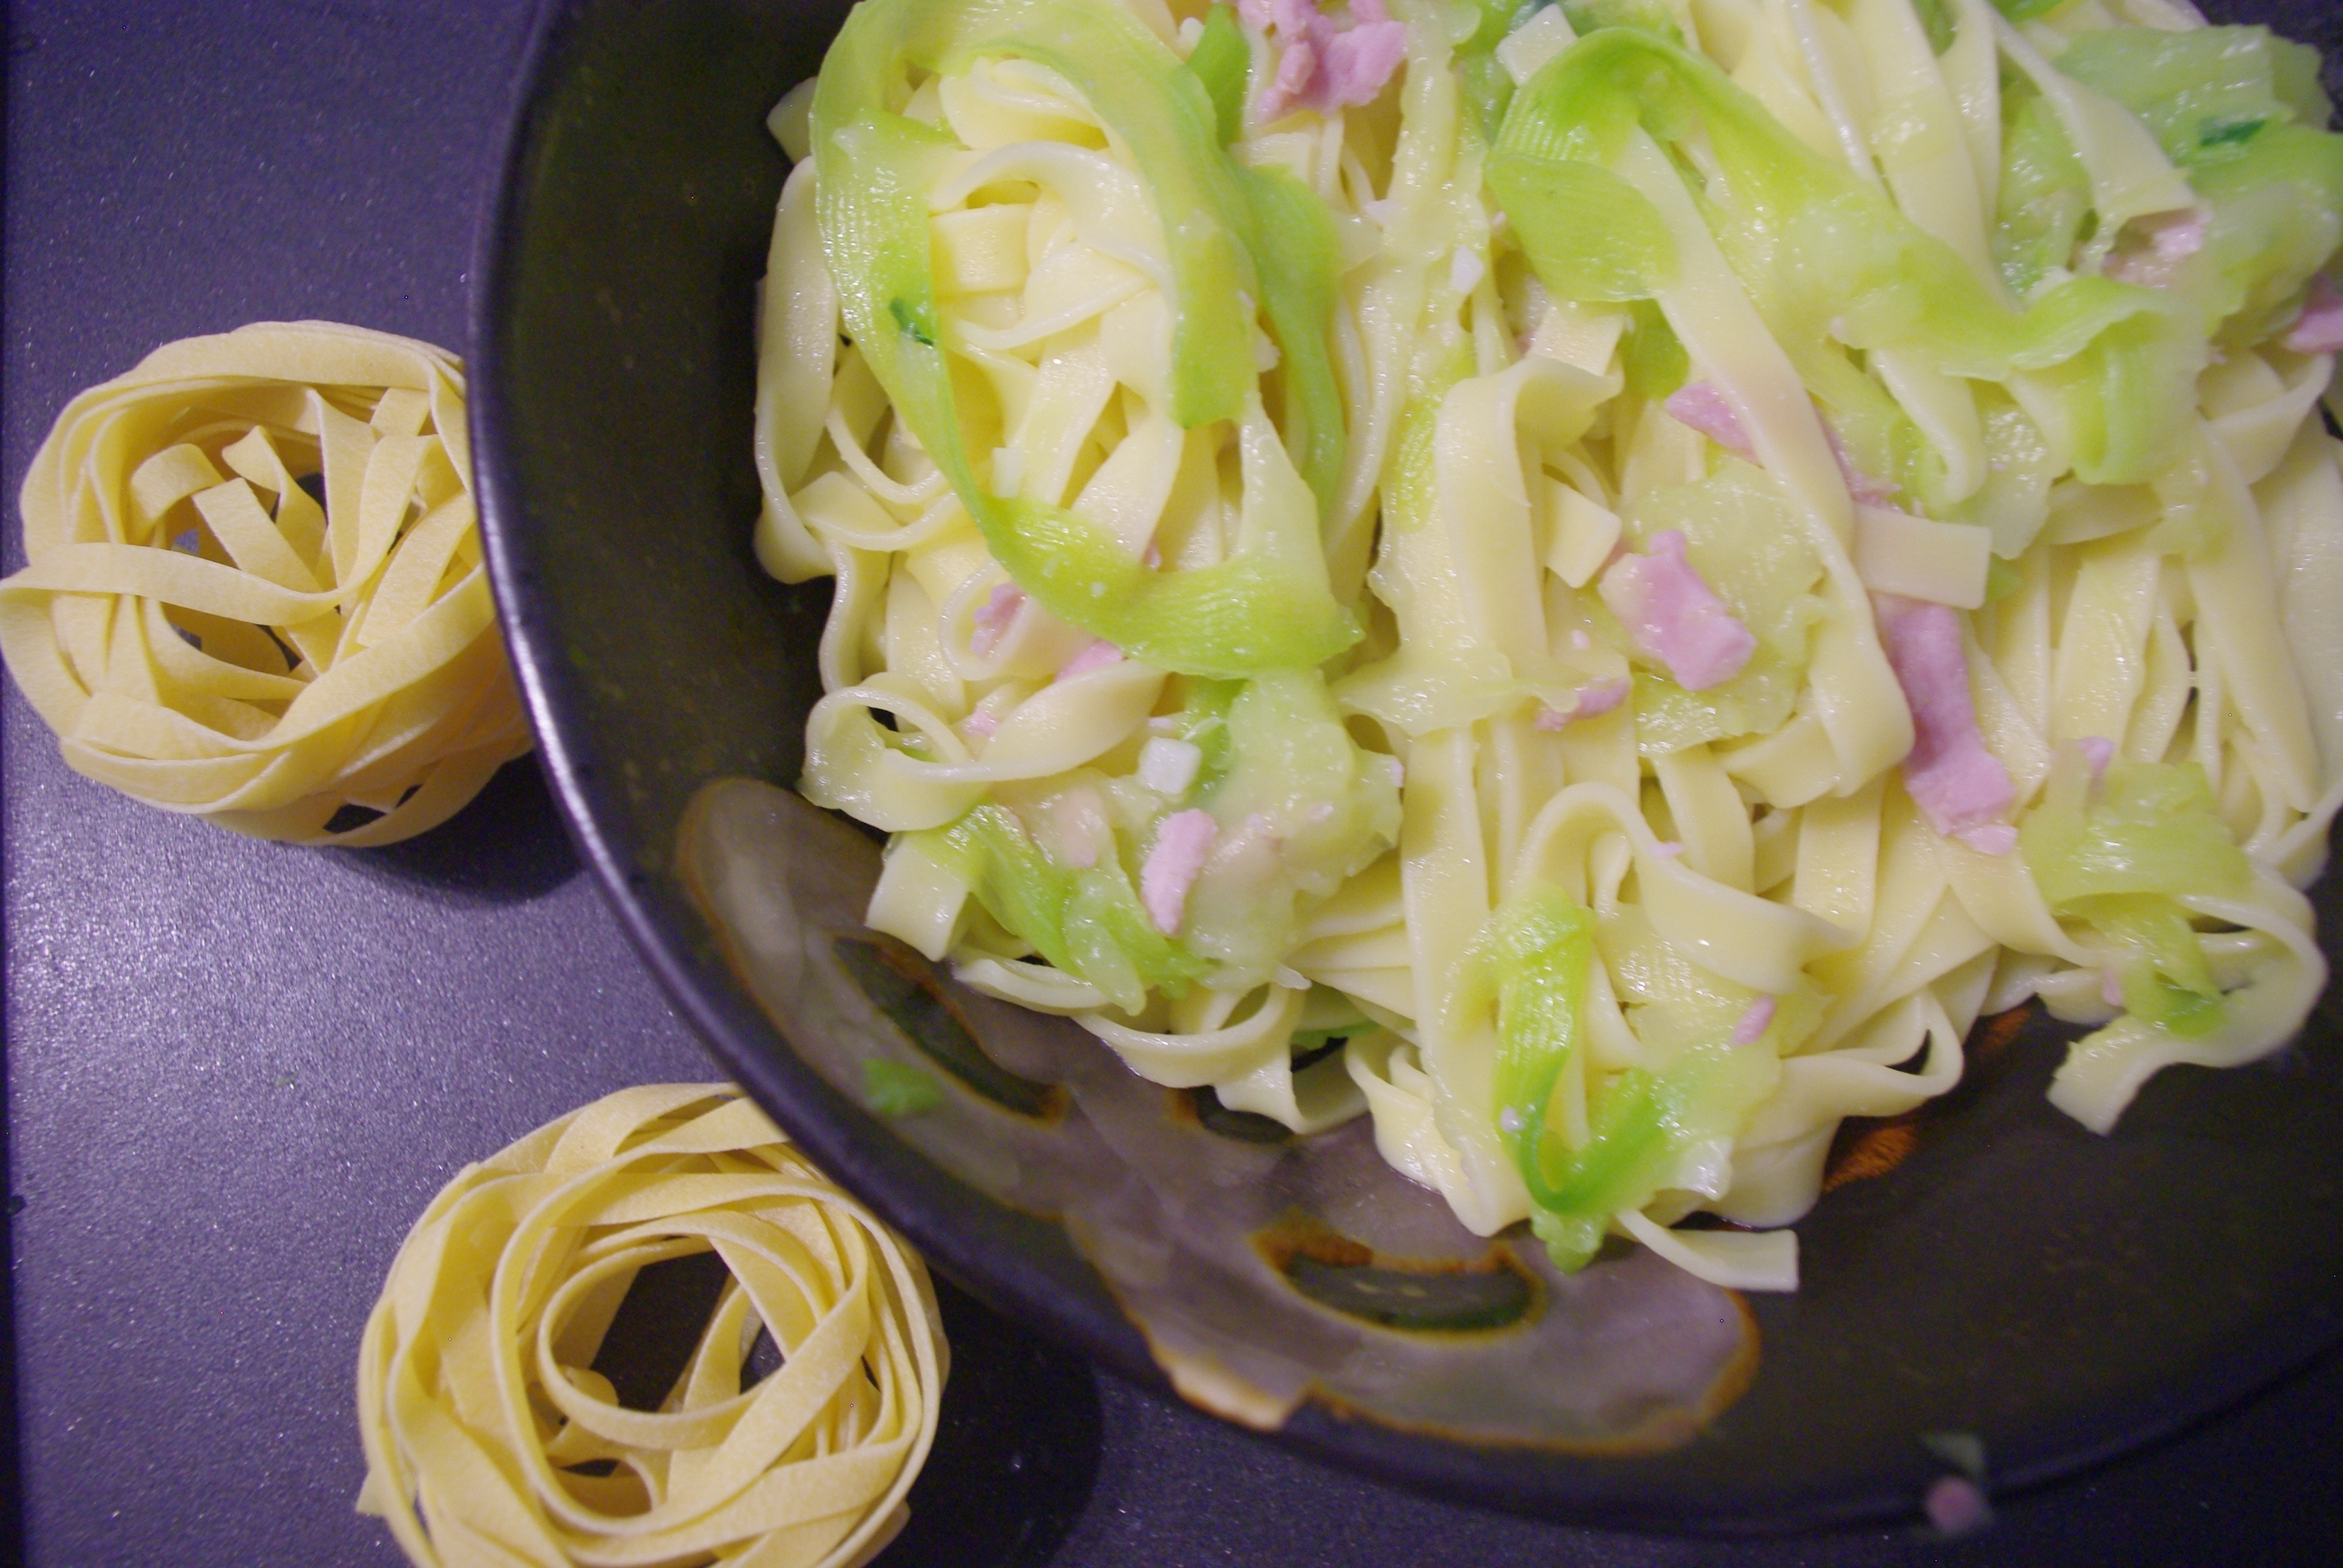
(1751, 618)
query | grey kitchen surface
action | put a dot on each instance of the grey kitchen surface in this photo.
(234, 1071)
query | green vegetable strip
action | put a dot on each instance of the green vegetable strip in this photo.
(1822, 254)
(2152, 829)
(2045, 196)
(1136, 85)
(1221, 62)
(1590, 234)
(1487, 86)
(1290, 235)
(1285, 219)
(1533, 960)
(2242, 114)
(1652, 17)
(2168, 982)
(1202, 721)
(1090, 922)
(891, 1088)
(1266, 608)
(1936, 21)
(2118, 855)
(2205, 91)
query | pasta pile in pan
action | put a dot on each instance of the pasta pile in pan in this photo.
(1594, 583)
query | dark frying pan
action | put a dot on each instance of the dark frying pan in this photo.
(2062, 1296)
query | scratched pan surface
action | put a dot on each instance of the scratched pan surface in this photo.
(2063, 1296)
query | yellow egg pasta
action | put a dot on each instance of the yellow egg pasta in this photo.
(1593, 583)
(207, 634)
(489, 1440)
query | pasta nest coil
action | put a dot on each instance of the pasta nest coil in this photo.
(487, 1438)
(254, 589)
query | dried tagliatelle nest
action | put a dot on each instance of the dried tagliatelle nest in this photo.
(490, 1440)
(254, 589)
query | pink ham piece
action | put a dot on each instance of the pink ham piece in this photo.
(1674, 617)
(1958, 785)
(1297, 71)
(2098, 751)
(992, 619)
(1593, 701)
(1181, 846)
(983, 723)
(1322, 64)
(1701, 406)
(2319, 328)
(1097, 656)
(2172, 239)
(1754, 1022)
(1956, 1505)
(1600, 698)
(1992, 839)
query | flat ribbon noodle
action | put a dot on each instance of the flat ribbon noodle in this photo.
(266, 662)
(480, 1414)
(1753, 310)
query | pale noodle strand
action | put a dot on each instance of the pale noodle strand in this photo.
(203, 635)
(1755, 842)
(479, 1410)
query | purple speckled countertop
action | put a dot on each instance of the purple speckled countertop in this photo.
(234, 1071)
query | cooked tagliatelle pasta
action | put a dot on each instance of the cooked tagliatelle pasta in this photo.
(254, 589)
(1639, 564)
(490, 1439)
